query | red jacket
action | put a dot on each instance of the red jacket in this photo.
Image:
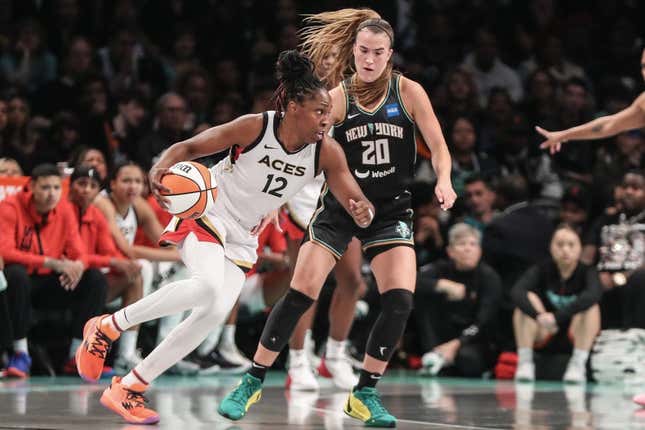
(25, 239)
(97, 240)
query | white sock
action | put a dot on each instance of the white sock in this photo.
(580, 355)
(297, 357)
(129, 380)
(20, 345)
(210, 342)
(128, 344)
(228, 335)
(525, 355)
(335, 348)
(74, 346)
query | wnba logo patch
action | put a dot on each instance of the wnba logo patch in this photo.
(392, 110)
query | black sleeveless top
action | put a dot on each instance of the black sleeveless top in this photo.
(380, 146)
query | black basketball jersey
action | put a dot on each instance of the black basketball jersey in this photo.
(380, 146)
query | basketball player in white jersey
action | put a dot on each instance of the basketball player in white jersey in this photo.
(272, 156)
(125, 211)
(349, 285)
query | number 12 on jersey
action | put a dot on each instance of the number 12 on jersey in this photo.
(274, 185)
(376, 151)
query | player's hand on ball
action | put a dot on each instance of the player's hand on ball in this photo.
(156, 188)
(362, 212)
(445, 194)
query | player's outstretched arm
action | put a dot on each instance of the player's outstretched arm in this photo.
(605, 126)
(343, 185)
(418, 104)
(241, 131)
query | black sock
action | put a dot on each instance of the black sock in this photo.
(367, 379)
(258, 371)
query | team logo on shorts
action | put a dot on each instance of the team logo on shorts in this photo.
(403, 230)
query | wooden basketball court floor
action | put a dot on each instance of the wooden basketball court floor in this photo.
(419, 403)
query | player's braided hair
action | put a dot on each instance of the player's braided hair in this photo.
(295, 72)
(327, 30)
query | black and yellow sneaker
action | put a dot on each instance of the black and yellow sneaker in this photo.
(238, 401)
(365, 405)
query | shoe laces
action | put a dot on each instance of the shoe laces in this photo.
(242, 393)
(372, 399)
(100, 344)
(135, 399)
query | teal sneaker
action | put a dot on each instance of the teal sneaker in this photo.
(238, 401)
(365, 405)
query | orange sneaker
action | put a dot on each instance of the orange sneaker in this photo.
(129, 402)
(90, 355)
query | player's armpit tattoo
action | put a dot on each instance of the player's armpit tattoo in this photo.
(597, 128)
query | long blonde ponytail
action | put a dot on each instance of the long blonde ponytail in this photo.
(338, 29)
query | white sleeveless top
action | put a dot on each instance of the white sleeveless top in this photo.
(128, 224)
(263, 176)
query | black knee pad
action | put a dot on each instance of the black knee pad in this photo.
(283, 319)
(396, 306)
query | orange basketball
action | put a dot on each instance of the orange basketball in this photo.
(192, 189)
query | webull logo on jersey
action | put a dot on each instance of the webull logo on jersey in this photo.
(377, 128)
(282, 166)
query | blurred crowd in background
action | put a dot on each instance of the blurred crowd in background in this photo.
(104, 83)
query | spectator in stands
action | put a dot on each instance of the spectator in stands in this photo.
(612, 161)
(94, 107)
(95, 158)
(126, 66)
(517, 155)
(10, 167)
(194, 86)
(540, 98)
(460, 97)
(15, 132)
(428, 235)
(124, 278)
(128, 125)
(45, 262)
(519, 236)
(182, 54)
(28, 63)
(61, 94)
(574, 162)
(456, 304)
(557, 302)
(575, 209)
(226, 78)
(617, 242)
(466, 161)
(480, 200)
(496, 121)
(550, 56)
(488, 69)
(171, 118)
(64, 136)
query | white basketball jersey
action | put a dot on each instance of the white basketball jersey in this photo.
(261, 177)
(303, 205)
(128, 224)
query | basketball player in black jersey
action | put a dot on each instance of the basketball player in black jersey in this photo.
(375, 112)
